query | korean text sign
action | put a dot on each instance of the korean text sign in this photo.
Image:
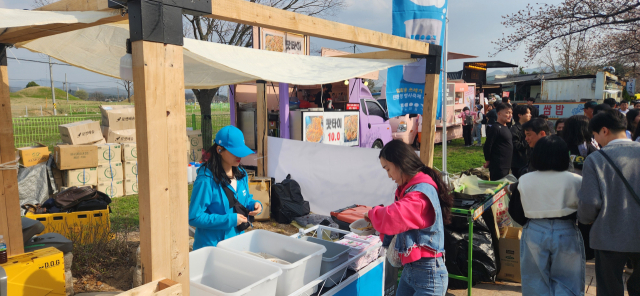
(422, 20)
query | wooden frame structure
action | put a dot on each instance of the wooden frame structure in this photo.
(158, 73)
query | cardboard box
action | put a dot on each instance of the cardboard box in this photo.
(81, 132)
(80, 177)
(130, 170)
(119, 136)
(130, 186)
(109, 153)
(69, 157)
(194, 155)
(195, 140)
(101, 142)
(260, 187)
(30, 156)
(509, 245)
(110, 171)
(112, 188)
(119, 117)
(129, 152)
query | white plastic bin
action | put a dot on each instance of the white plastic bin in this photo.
(335, 255)
(305, 257)
(216, 271)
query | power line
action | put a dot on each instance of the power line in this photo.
(34, 61)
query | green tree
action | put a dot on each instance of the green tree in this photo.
(82, 94)
(371, 84)
(32, 83)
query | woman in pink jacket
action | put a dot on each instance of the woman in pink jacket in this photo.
(422, 206)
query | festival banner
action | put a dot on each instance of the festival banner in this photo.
(422, 20)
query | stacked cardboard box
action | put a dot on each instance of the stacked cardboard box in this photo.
(118, 123)
(30, 156)
(130, 167)
(78, 164)
(110, 173)
(194, 146)
(81, 133)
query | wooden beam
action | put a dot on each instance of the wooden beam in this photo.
(262, 130)
(385, 54)
(248, 13)
(158, 73)
(10, 222)
(429, 112)
(162, 287)
(25, 34)
(76, 5)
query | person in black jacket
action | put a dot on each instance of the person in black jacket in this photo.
(521, 115)
(492, 115)
(535, 112)
(498, 148)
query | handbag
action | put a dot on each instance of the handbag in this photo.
(624, 180)
(238, 208)
(392, 254)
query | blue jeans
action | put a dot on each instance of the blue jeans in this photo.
(477, 133)
(425, 277)
(552, 260)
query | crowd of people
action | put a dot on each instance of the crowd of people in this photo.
(577, 195)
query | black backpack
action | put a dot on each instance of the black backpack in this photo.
(287, 202)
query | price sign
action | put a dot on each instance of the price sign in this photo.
(334, 128)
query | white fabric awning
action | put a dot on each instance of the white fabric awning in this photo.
(14, 18)
(207, 65)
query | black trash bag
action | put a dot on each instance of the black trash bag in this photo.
(456, 242)
(287, 202)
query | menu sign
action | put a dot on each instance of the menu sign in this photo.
(279, 41)
(333, 128)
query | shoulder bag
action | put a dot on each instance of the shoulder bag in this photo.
(624, 180)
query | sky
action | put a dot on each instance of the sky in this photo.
(473, 25)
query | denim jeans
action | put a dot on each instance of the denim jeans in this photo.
(552, 260)
(477, 133)
(425, 277)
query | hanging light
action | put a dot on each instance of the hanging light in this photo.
(346, 82)
(366, 83)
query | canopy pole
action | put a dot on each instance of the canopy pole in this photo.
(430, 106)
(10, 222)
(284, 110)
(445, 93)
(261, 110)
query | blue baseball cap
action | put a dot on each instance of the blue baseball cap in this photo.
(232, 139)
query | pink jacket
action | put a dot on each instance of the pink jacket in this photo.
(410, 211)
(462, 114)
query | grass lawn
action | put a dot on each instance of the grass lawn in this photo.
(125, 209)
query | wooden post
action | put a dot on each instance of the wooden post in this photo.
(10, 222)
(158, 73)
(429, 112)
(261, 109)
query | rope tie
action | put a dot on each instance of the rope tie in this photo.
(11, 165)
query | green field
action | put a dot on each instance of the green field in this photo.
(41, 92)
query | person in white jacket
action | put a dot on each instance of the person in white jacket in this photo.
(477, 127)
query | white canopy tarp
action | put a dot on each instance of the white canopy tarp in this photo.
(207, 65)
(14, 18)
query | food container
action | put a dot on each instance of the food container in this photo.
(357, 227)
(335, 256)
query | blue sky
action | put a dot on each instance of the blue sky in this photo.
(473, 25)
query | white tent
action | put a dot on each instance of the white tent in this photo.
(207, 65)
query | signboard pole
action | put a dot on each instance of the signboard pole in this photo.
(261, 110)
(444, 100)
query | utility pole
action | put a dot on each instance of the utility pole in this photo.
(66, 87)
(118, 88)
(354, 48)
(53, 90)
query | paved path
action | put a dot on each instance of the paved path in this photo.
(512, 289)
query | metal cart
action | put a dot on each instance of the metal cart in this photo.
(473, 214)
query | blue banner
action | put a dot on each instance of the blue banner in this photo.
(422, 20)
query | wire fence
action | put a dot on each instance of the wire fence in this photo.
(44, 129)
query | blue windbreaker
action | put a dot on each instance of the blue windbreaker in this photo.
(209, 210)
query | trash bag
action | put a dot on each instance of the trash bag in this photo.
(287, 202)
(456, 242)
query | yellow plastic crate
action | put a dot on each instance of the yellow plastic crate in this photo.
(85, 227)
(37, 273)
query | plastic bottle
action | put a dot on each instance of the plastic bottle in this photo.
(189, 174)
(3, 250)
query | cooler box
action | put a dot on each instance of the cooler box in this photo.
(305, 258)
(335, 255)
(216, 271)
(345, 216)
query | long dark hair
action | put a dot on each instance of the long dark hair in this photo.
(631, 117)
(576, 130)
(405, 158)
(550, 154)
(214, 164)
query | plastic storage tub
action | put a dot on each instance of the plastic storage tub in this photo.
(361, 223)
(335, 255)
(216, 271)
(305, 257)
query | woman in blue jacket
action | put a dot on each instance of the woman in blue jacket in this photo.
(209, 212)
